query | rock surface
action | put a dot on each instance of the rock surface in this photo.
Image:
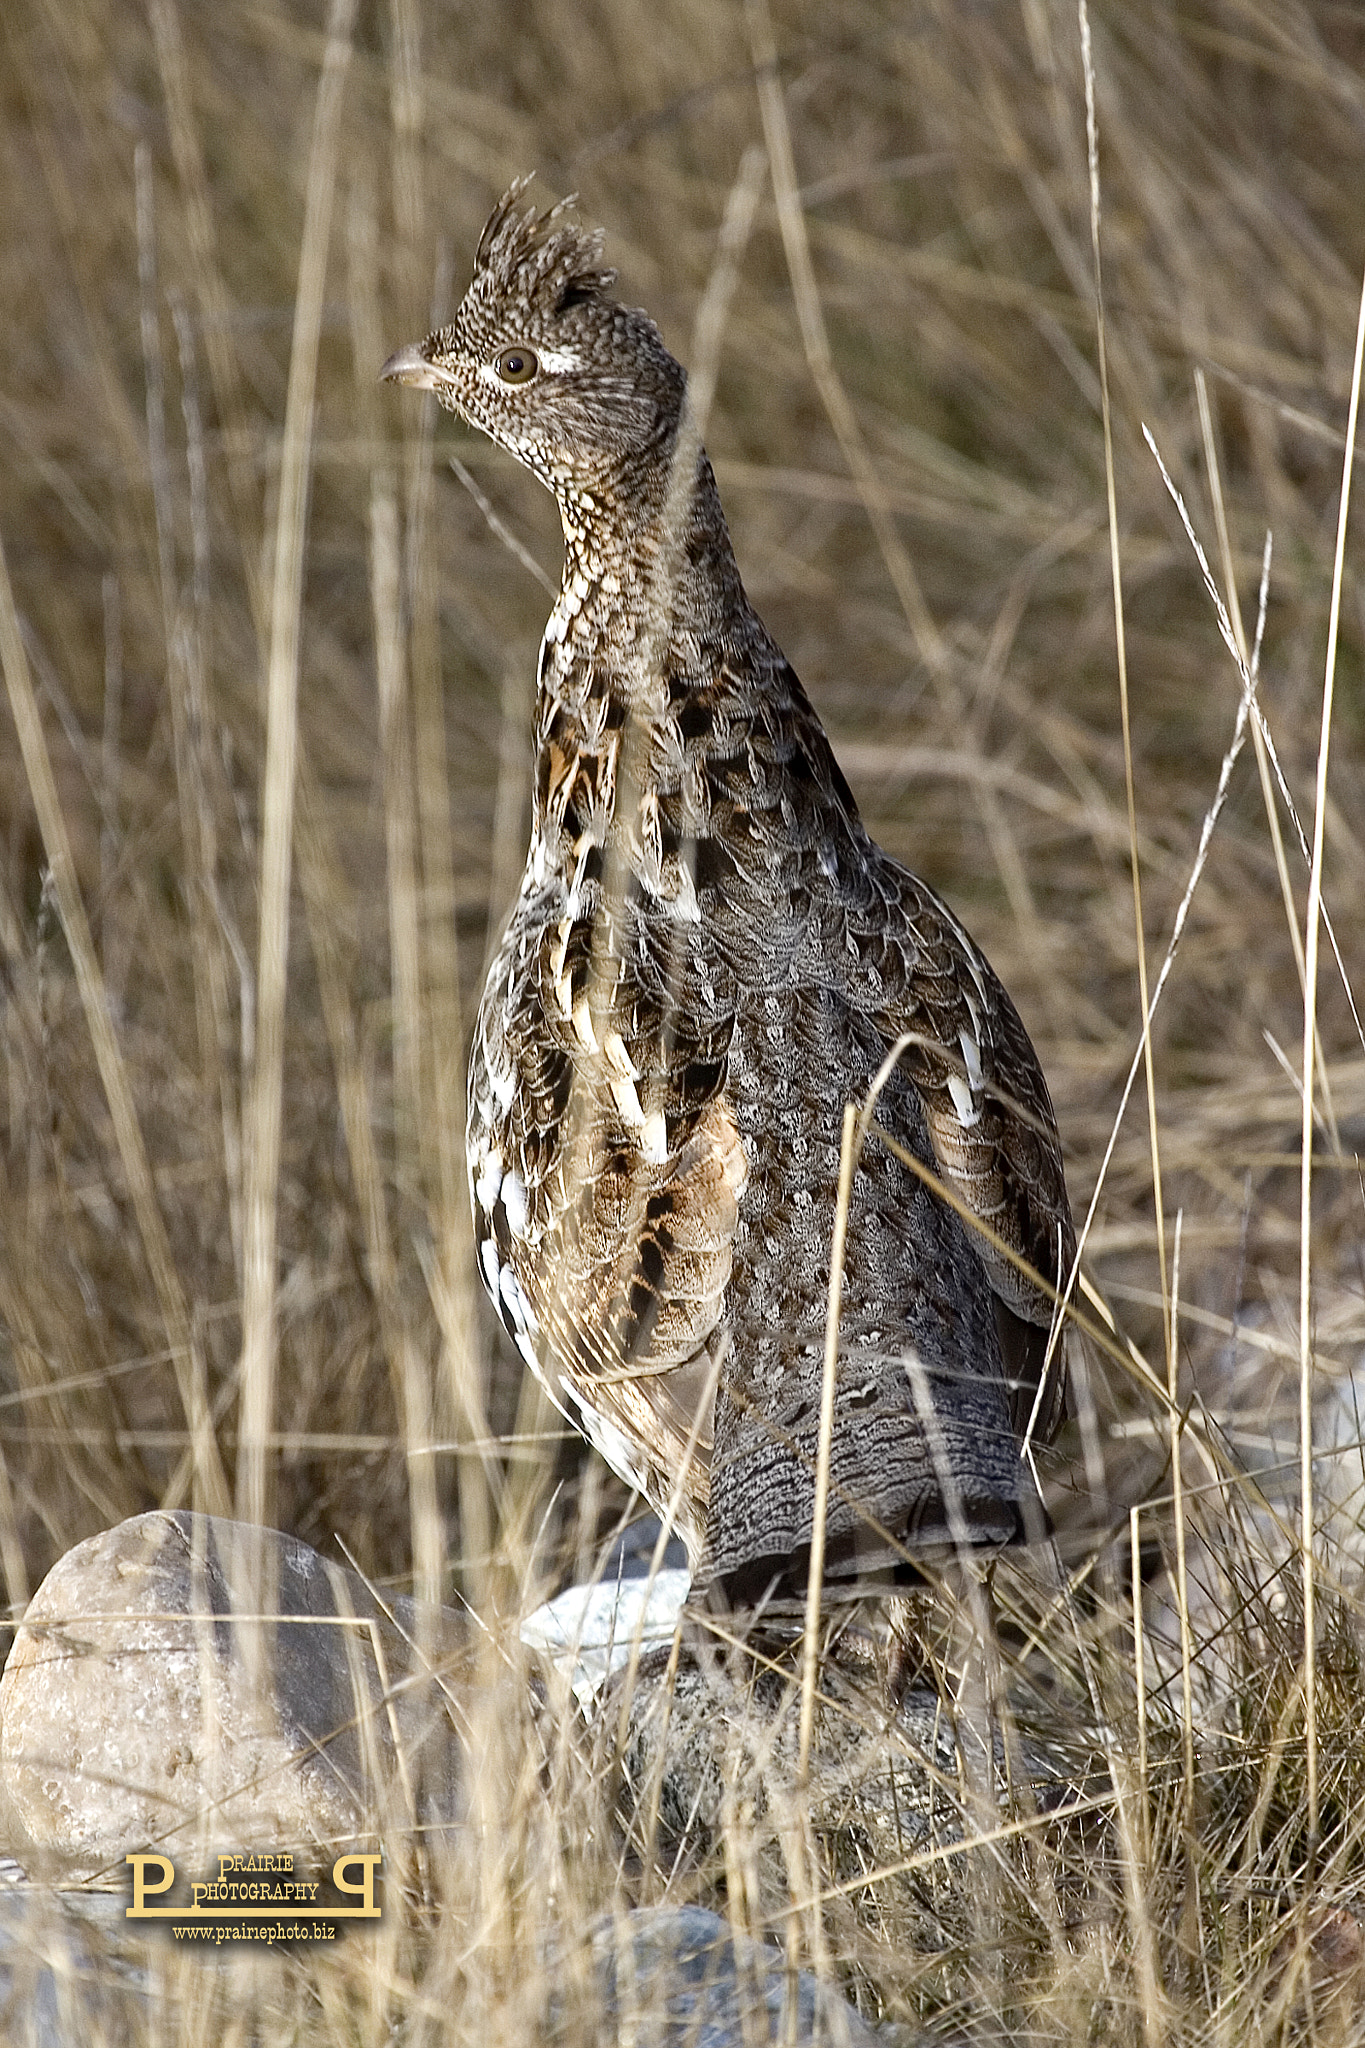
(680, 1977)
(134, 1709)
(146, 1704)
(657, 1977)
(588, 1632)
(68, 1972)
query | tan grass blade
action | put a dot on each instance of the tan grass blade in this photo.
(211, 292)
(1121, 649)
(815, 337)
(211, 1482)
(1272, 812)
(410, 1371)
(1312, 924)
(265, 1104)
(849, 1146)
(416, 763)
(186, 658)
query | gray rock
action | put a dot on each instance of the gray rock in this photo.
(143, 1703)
(68, 1971)
(590, 1631)
(659, 1977)
(632, 1554)
(680, 1977)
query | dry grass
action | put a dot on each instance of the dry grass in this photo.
(269, 666)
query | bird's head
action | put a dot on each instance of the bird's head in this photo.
(543, 359)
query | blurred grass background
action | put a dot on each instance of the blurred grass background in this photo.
(154, 166)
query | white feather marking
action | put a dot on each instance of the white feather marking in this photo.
(627, 1100)
(582, 1024)
(558, 360)
(654, 1138)
(614, 1046)
(683, 903)
(488, 1259)
(614, 1445)
(514, 1203)
(526, 1345)
(968, 1112)
(518, 1307)
(488, 1178)
(971, 1054)
(573, 902)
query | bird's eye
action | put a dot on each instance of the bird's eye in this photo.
(517, 365)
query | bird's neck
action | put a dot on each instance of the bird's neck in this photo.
(650, 585)
(651, 610)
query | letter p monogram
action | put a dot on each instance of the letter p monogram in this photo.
(144, 1888)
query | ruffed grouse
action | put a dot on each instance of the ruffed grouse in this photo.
(707, 959)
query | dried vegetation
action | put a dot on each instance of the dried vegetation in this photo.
(269, 671)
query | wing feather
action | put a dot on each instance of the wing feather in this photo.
(993, 1133)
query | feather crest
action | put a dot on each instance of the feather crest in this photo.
(546, 260)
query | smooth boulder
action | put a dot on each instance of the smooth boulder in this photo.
(146, 1702)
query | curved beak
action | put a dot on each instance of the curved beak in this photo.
(409, 366)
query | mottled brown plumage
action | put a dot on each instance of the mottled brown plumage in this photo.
(707, 959)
